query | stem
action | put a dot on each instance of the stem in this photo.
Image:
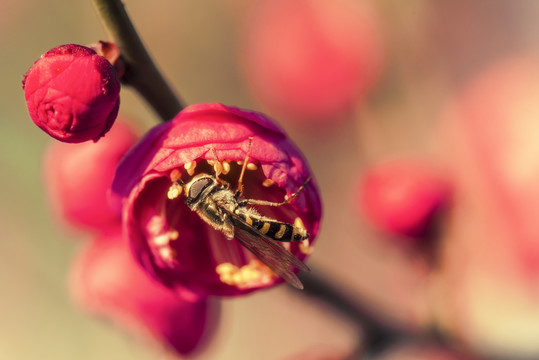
(141, 72)
(377, 334)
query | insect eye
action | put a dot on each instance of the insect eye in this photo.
(198, 186)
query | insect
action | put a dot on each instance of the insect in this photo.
(225, 210)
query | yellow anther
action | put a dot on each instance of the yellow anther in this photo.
(161, 240)
(190, 167)
(268, 183)
(175, 175)
(174, 191)
(305, 248)
(226, 268)
(218, 168)
(251, 166)
(173, 235)
(250, 274)
(299, 223)
(167, 253)
(226, 167)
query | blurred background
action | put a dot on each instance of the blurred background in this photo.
(449, 88)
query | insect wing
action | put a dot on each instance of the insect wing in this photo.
(277, 258)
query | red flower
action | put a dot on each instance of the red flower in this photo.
(173, 242)
(311, 60)
(78, 179)
(403, 197)
(106, 281)
(72, 93)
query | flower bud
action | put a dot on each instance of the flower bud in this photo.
(72, 93)
(403, 197)
(78, 178)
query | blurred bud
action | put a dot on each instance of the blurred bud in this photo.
(402, 197)
(107, 281)
(311, 60)
(72, 93)
(78, 178)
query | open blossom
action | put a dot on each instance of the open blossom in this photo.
(78, 178)
(171, 241)
(106, 281)
(72, 93)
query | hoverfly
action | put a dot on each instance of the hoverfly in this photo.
(225, 210)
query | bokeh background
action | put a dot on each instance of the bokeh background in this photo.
(428, 52)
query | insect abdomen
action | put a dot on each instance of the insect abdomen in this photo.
(276, 230)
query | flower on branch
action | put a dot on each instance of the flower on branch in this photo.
(171, 241)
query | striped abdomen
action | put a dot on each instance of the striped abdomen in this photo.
(274, 229)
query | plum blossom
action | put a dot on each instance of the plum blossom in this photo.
(171, 241)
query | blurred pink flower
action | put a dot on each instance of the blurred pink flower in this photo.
(72, 93)
(311, 60)
(402, 197)
(78, 179)
(318, 352)
(486, 290)
(422, 352)
(105, 280)
(169, 239)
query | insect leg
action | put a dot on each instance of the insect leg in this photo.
(244, 166)
(270, 203)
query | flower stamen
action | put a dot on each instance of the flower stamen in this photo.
(226, 167)
(248, 275)
(190, 167)
(174, 191)
(268, 183)
(305, 247)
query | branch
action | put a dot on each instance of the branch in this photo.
(141, 72)
(377, 334)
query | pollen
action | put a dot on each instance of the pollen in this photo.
(226, 268)
(174, 191)
(226, 272)
(226, 167)
(167, 254)
(252, 274)
(268, 183)
(251, 166)
(190, 167)
(166, 238)
(218, 168)
(175, 175)
(299, 223)
(305, 248)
